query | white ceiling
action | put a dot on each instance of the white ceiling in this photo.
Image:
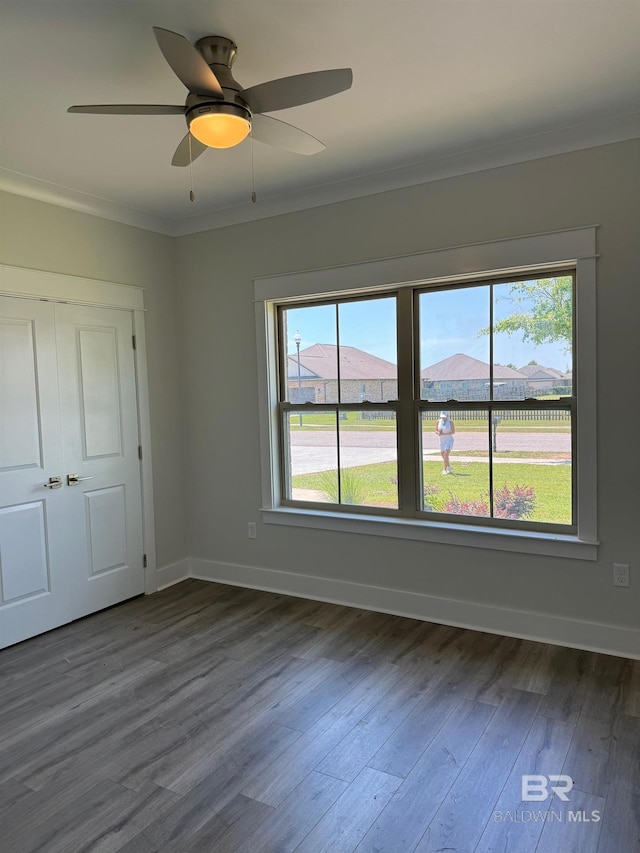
(440, 87)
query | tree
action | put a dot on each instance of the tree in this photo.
(547, 314)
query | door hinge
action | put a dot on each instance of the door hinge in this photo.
(139, 451)
(144, 560)
(133, 341)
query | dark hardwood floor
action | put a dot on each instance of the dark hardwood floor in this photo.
(214, 719)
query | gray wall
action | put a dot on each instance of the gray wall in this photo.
(594, 186)
(46, 237)
(202, 367)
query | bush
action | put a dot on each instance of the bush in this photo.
(518, 503)
(514, 504)
(353, 486)
(458, 507)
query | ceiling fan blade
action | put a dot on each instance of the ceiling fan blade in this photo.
(128, 109)
(187, 63)
(181, 156)
(299, 89)
(271, 131)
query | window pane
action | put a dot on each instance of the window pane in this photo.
(368, 351)
(454, 352)
(311, 449)
(532, 465)
(533, 331)
(368, 458)
(312, 363)
(455, 468)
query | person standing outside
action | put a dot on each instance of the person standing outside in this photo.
(445, 428)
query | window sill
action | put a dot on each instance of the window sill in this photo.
(473, 536)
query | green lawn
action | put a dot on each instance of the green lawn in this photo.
(373, 485)
(510, 454)
(352, 421)
(327, 421)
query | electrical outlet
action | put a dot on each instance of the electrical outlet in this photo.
(251, 530)
(620, 574)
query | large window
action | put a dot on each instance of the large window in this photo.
(480, 426)
(444, 406)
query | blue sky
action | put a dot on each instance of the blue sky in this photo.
(451, 320)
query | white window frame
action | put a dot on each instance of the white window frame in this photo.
(573, 248)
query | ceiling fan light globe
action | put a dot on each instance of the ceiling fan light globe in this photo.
(220, 130)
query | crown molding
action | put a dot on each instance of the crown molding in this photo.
(549, 144)
(35, 188)
(561, 141)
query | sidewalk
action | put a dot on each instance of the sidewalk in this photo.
(435, 455)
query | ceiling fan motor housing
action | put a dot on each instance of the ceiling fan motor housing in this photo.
(198, 105)
(219, 53)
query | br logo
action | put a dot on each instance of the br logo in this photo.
(535, 788)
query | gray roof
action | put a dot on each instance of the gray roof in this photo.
(305, 373)
(320, 361)
(461, 366)
(538, 371)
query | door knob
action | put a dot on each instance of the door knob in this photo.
(54, 483)
(73, 479)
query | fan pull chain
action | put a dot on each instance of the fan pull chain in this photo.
(192, 195)
(253, 175)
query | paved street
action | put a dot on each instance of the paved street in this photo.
(315, 450)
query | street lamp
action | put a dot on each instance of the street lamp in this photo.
(298, 339)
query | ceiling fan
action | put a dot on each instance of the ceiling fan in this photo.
(218, 111)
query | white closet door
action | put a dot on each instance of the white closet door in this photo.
(33, 572)
(68, 407)
(96, 375)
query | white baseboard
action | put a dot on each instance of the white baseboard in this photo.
(173, 573)
(527, 625)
